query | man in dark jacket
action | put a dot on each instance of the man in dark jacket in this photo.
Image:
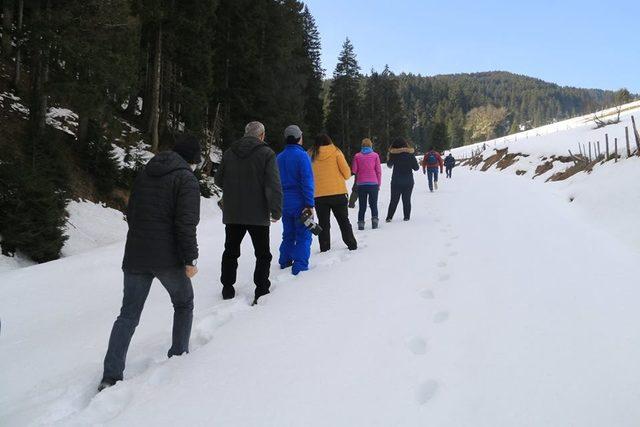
(449, 163)
(163, 213)
(248, 176)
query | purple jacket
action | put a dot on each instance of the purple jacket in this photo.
(367, 168)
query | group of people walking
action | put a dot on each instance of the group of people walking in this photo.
(259, 188)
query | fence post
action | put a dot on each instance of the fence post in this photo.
(635, 132)
(626, 134)
(615, 147)
(598, 155)
(589, 151)
(606, 137)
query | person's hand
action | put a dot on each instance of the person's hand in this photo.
(191, 271)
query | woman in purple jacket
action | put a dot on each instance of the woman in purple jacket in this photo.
(366, 168)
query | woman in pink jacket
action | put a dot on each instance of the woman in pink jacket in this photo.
(366, 168)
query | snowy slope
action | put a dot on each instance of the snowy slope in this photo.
(499, 304)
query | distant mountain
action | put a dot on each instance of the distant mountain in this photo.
(456, 109)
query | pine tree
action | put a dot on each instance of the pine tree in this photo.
(313, 109)
(344, 118)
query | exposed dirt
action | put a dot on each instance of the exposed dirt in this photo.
(492, 160)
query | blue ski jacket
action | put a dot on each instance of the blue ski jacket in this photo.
(296, 176)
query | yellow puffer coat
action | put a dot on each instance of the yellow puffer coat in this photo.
(330, 171)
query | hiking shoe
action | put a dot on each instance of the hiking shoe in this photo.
(406, 219)
(436, 184)
(228, 292)
(374, 223)
(106, 383)
(388, 220)
(285, 266)
(360, 225)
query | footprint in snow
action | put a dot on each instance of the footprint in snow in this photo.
(448, 245)
(442, 264)
(444, 277)
(417, 345)
(441, 317)
(427, 294)
(453, 253)
(426, 391)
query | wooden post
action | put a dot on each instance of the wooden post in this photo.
(635, 132)
(598, 155)
(589, 150)
(626, 134)
(615, 147)
(606, 137)
(580, 148)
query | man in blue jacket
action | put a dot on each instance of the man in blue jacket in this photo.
(296, 176)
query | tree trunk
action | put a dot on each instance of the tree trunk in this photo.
(18, 69)
(83, 127)
(38, 98)
(7, 25)
(154, 116)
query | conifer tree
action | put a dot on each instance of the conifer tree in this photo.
(344, 118)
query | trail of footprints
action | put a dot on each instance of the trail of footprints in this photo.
(417, 345)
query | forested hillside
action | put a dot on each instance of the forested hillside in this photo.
(131, 75)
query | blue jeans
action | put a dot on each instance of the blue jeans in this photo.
(295, 249)
(369, 192)
(432, 175)
(136, 289)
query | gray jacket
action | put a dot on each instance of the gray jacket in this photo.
(250, 181)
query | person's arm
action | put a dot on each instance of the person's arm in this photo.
(343, 166)
(414, 165)
(390, 161)
(355, 165)
(378, 170)
(424, 164)
(273, 187)
(306, 181)
(440, 162)
(187, 216)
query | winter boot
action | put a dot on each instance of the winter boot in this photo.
(360, 225)
(106, 383)
(228, 292)
(388, 220)
(435, 184)
(374, 223)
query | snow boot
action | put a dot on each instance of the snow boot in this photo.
(360, 225)
(388, 220)
(374, 223)
(435, 184)
(228, 292)
(106, 383)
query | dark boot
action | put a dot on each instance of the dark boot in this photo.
(228, 292)
(106, 383)
(374, 223)
(360, 225)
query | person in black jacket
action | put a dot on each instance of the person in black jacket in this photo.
(163, 213)
(449, 163)
(403, 161)
(249, 178)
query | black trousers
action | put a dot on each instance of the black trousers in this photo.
(338, 205)
(398, 191)
(260, 239)
(448, 170)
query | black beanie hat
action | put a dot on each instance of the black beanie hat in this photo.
(189, 148)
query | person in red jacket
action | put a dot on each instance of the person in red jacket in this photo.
(432, 163)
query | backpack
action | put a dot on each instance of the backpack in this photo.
(431, 158)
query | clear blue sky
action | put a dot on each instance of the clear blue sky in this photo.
(576, 43)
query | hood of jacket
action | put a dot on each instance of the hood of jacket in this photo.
(326, 152)
(246, 146)
(166, 162)
(407, 150)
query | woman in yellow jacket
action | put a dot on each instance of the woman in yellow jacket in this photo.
(330, 171)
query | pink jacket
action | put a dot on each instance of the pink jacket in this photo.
(367, 168)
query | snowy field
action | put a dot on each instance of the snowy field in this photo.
(500, 304)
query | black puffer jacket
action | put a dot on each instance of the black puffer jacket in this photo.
(404, 162)
(250, 181)
(163, 213)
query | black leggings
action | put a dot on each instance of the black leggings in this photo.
(398, 191)
(338, 205)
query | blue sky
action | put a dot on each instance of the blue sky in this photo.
(576, 43)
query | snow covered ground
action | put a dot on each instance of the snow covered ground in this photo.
(501, 303)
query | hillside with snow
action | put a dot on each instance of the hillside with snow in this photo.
(505, 301)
